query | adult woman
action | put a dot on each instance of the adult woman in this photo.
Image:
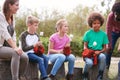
(113, 31)
(7, 35)
(30, 41)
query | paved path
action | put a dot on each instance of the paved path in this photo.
(113, 71)
(113, 60)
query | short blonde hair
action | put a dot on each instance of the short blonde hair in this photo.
(59, 24)
(31, 19)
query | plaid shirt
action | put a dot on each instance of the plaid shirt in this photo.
(112, 26)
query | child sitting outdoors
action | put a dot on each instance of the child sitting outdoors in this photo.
(29, 40)
(59, 50)
(95, 40)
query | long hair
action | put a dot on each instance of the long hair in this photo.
(6, 9)
(116, 7)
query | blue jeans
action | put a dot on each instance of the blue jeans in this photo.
(115, 37)
(89, 63)
(42, 61)
(59, 59)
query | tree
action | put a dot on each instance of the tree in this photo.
(78, 20)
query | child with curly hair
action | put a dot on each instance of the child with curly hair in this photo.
(95, 39)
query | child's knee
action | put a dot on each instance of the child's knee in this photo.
(89, 64)
(102, 56)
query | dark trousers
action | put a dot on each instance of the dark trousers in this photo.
(115, 37)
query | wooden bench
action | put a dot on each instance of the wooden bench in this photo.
(33, 72)
(5, 71)
(77, 73)
(93, 72)
(61, 72)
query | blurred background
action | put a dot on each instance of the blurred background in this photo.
(49, 11)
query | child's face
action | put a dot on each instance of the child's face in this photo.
(64, 27)
(96, 25)
(33, 27)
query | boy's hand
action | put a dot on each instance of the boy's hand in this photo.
(38, 44)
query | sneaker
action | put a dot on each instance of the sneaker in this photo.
(52, 77)
(99, 78)
(69, 76)
(100, 75)
(85, 76)
(46, 78)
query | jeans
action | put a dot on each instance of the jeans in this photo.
(115, 37)
(59, 59)
(89, 63)
(42, 61)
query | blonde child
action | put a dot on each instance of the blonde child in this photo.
(30, 39)
(57, 42)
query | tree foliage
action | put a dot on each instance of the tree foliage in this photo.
(77, 19)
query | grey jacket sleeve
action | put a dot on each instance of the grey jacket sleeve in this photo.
(22, 42)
